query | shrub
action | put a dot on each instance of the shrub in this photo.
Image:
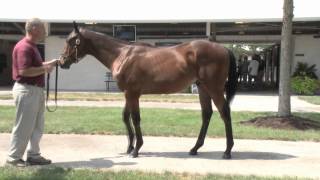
(304, 85)
(303, 69)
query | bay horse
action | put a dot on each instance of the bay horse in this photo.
(140, 69)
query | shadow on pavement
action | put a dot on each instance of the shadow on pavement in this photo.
(93, 163)
(217, 155)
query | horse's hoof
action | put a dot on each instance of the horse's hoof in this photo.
(134, 154)
(129, 150)
(226, 156)
(193, 152)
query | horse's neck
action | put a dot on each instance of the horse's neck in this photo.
(103, 48)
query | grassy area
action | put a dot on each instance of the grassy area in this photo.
(79, 174)
(100, 96)
(157, 122)
(311, 99)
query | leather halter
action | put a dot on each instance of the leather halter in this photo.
(76, 49)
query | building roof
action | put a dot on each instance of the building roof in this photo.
(155, 11)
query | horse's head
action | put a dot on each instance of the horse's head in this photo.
(74, 48)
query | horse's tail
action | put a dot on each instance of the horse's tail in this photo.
(231, 86)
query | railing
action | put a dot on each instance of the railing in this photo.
(108, 80)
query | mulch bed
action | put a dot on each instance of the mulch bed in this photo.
(291, 122)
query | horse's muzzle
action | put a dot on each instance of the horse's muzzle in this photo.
(65, 66)
(64, 63)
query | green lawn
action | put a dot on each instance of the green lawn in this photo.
(57, 173)
(311, 99)
(157, 122)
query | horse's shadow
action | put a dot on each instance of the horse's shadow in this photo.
(92, 163)
(213, 155)
(217, 155)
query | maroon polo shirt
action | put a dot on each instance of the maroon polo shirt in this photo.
(25, 55)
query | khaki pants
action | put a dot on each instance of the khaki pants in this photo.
(29, 122)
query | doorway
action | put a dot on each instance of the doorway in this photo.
(257, 65)
(6, 47)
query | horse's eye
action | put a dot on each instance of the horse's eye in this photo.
(78, 42)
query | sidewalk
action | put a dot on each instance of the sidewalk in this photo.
(257, 103)
(159, 154)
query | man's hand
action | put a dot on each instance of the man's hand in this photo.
(49, 65)
(51, 62)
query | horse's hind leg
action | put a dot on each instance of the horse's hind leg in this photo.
(126, 120)
(224, 110)
(206, 110)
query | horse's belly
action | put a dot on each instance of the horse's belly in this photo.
(166, 87)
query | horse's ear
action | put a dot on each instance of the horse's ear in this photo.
(75, 25)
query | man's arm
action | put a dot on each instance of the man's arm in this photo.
(53, 61)
(33, 71)
(36, 71)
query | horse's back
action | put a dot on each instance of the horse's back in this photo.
(170, 69)
(157, 70)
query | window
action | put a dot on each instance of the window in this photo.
(125, 32)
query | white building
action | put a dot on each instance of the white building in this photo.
(160, 22)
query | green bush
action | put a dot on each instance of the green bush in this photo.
(304, 85)
(303, 69)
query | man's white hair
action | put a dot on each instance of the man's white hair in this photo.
(34, 22)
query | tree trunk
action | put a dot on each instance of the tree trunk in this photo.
(284, 108)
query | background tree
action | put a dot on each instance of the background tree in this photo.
(284, 108)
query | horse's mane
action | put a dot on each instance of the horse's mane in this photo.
(142, 44)
(103, 36)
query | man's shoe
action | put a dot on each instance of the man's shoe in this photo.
(17, 163)
(38, 161)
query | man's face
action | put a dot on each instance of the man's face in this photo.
(39, 32)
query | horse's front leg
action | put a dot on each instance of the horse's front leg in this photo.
(126, 120)
(133, 104)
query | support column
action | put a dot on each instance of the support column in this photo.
(208, 29)
(47, 27)
(211, 31)
(213, 36)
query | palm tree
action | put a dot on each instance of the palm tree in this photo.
(284, 108)
(303, 69)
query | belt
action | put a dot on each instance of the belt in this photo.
(30, 84)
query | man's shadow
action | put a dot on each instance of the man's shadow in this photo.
(92, 163)
(217, 155)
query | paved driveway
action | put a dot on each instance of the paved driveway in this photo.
(257, 157)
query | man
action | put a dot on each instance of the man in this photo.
(28, 71)
(253, 69)
(244, 69)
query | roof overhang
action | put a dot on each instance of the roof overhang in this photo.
(151, 11)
